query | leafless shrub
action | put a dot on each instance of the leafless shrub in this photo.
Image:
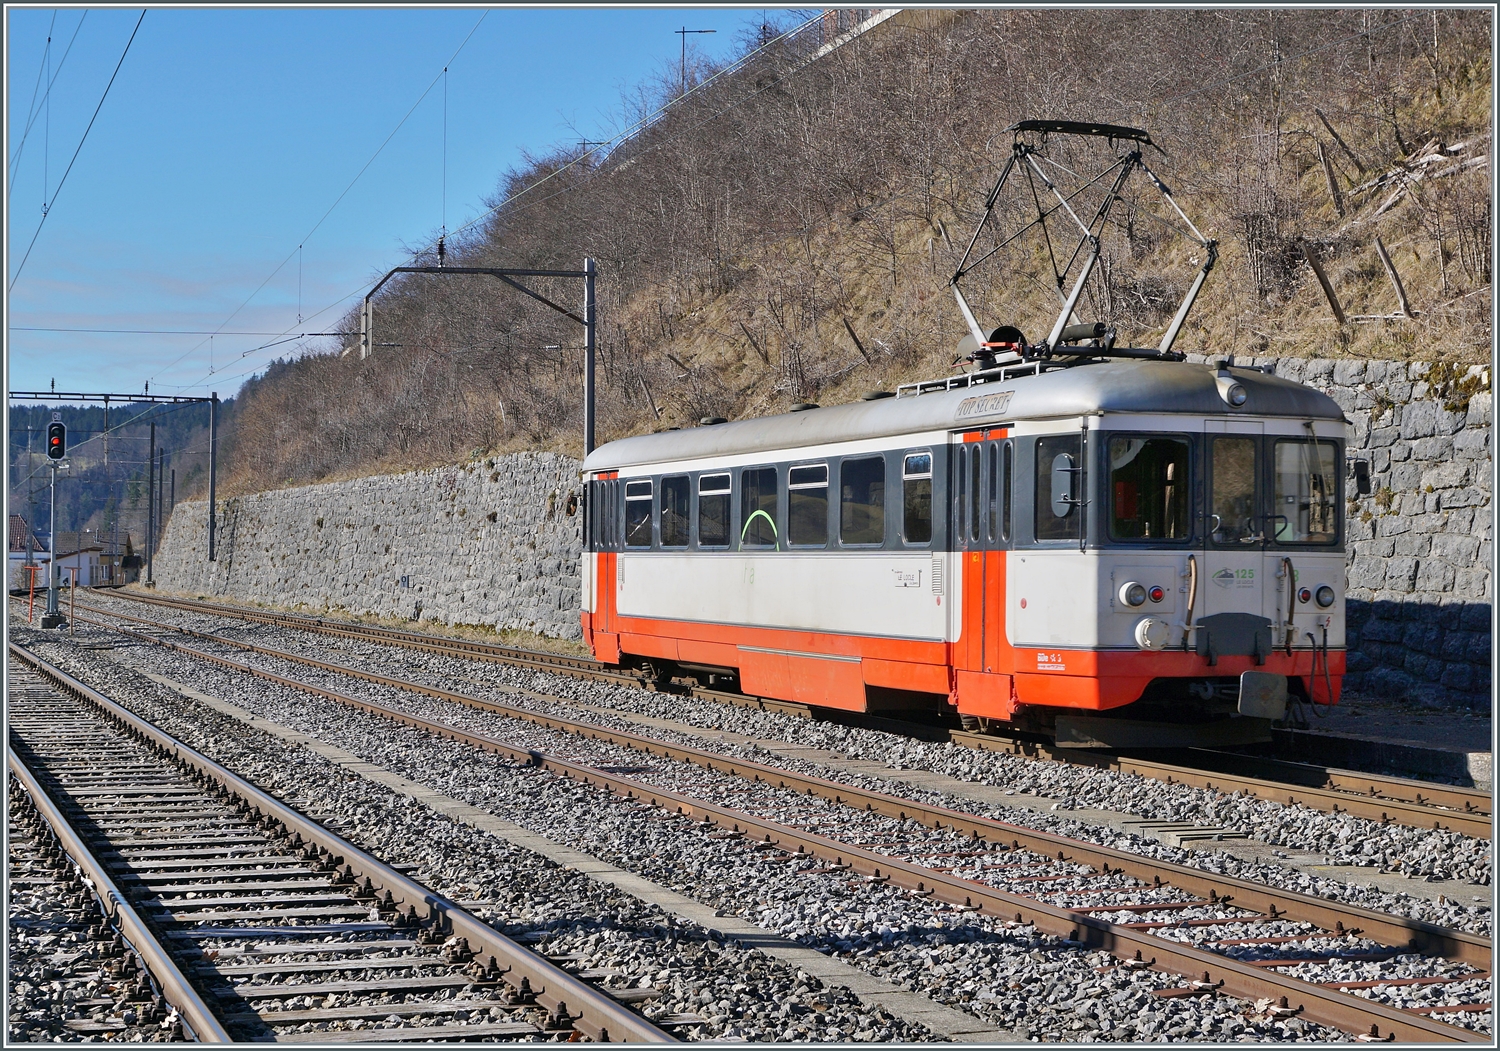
(736, 231)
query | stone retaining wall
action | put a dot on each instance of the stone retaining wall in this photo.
(494, 542)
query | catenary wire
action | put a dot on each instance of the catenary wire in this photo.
(32, 116)
(22, 265)
(647, 120)
(337, 201)
(603, 146)
(146, 331)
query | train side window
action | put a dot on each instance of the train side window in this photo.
(674, 511)
(713, 510)
(1007, 470)
(976, 506)
(1057, 473)
(807, 505)
(758, 507)
(862, 501)
(638, 514)
(1148, 479)
(960, 493)
(612, 530)
(992, 492)
(916, 498)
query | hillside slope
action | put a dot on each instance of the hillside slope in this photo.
(786, 233)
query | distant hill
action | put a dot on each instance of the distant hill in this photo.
(786, 232)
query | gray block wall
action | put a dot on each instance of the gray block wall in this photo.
(496, 542)
(492, 543)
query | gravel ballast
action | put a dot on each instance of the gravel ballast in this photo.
(950, 953)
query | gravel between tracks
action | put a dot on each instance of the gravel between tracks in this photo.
(1344, 839)
(1010, 977)
(559, 912)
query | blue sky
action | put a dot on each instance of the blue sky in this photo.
(227, 135)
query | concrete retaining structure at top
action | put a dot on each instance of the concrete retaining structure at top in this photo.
(497, 542)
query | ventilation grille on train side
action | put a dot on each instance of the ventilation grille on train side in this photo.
(937, 576)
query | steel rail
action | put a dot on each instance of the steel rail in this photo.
(592, 1012)
(195, 1013)
(1373, 786)
(1331, 915)
(556, 663)
(1372, 796)
(1330, 800)
(1322, 1004)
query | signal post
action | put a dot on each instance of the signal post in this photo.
(57, 451)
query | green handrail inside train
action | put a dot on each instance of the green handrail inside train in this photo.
(769, 520)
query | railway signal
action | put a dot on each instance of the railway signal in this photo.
(57, 440)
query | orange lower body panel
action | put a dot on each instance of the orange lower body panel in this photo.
(833, 671)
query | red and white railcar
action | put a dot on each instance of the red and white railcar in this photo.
(1098, 550)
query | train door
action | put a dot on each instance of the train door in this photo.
(605, 516)
(979, 516)
(1233, 552)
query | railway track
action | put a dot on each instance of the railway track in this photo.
(72, 973)
(1179, 919)
(255, 922)
(1372, 796)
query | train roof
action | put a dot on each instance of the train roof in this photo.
(1157, 387)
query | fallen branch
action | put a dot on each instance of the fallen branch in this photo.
(1311, 255)
(1342, 144)
(857, 344)
(1390, 271)
(1333, 186)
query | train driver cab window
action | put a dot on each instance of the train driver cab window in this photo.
(638, 514)
(1148, 477)
(807, 505)
(674, 511)
(758, 507)
(916, 498)
(1306, 509)
(862, 501)
(1058, 471)
(1232, 517)
(713, 510)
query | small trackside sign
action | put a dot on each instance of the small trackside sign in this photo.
(984, 405)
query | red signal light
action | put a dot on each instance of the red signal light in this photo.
(1158, 593)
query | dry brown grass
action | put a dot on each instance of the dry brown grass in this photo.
(737, 236)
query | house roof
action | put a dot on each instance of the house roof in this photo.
(18, 533)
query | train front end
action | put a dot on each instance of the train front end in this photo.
(1178, 576)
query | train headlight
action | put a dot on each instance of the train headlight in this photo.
(1325, 596)
(1133, 593)
(1152, 633)
(1231, 390)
